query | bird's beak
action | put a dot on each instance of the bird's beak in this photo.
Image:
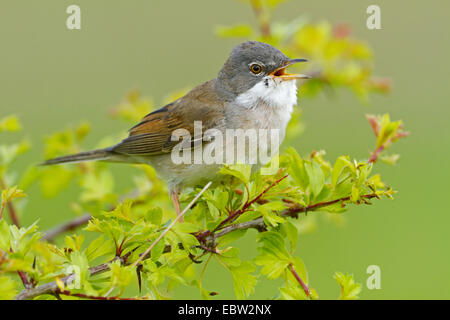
(283, 75)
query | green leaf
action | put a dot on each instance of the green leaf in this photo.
(272, 255)
(341, 163)
(22, 239)
(355, 194)
(272, 219)
(291, 232)
(231, 257)
(158, 250)
(5, 236)
(268, 211)
(154, 216)
(297, 169)
(232, 236)
(79, 265)
(183, 233)
(240, 171)
(391, 159)
(316, 177)
(97, 185)
(10, 123)
(12, 193)
(97, 248)
(50, 186)
(9, 153)
(74, 242)
(387, 129)
(349, 288)
(8, 288)
(244, 281)
(121, 276)
(292, 292)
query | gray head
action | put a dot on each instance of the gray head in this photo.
(252, 62)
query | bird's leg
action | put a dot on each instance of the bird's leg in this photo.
(176, 203)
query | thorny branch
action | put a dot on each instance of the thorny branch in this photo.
(207, 239)
(237, 213)
(52, 288)
(86, 296)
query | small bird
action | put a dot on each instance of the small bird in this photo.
(251, 91)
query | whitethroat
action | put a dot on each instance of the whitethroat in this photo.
(251, 91)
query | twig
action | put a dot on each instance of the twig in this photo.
(296, 275)
(86, 296)
(66, 226)
(374, 156)
(12, 211)
(258, 223)
(14, 218)
(171, 225)
(237, 213)
(23, 276)
(52, 287)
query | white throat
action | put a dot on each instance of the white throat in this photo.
(271, 91)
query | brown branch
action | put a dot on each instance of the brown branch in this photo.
(206, 237)
(66, 226)
(374, 156)
(258, 223)
(297, 277)
(295, 210)
(86, 296)
(52, 288)
(23, 276)
(244, 208)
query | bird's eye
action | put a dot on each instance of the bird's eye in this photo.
(255, 68)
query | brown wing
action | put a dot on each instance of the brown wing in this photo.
(152, 135)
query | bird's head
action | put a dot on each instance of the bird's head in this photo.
(259, 69)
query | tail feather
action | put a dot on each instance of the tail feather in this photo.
(101, 154)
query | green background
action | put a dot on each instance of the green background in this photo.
(53, 77)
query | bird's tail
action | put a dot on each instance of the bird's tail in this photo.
(101, 154)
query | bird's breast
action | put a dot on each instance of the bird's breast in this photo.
(267, 105)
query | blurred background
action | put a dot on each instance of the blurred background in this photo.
(52, 78)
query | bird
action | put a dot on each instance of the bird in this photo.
(252, 91)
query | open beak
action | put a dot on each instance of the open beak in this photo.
(283, 75)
